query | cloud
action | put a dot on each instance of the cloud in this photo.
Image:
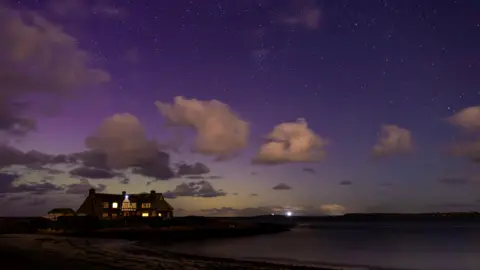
(393, 140)
(62, 158)
(304, 13)
(94, 173)
(282, 186)
(7, 185)
(83, 187)
(195, 169)
(291, 142)
(194, 177)
(33, 159)
(38, 57)
(157, 166)
(194, 189)
(309, 170)
(469, 149)
(122, 138)
(332, 209)
(198, 177)
(91, 158)
(219, 131)
(11, 156)
(346, 183)
(468, 118)
(125, 181)
(120, 142)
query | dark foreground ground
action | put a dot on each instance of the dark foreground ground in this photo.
(35, 251)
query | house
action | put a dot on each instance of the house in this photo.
(113, 206)
(59, 212)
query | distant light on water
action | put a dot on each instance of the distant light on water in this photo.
(289, 214)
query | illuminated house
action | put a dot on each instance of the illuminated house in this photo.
(112, 206)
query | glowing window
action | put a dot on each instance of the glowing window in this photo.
(146, 205)
(127, 206)
(105, 205)
(159, 214)
(145, 215)
(105, 215)
(115, 205)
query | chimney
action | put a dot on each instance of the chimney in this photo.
(91, 191)
(152, 192)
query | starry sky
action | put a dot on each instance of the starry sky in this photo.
(241, 107)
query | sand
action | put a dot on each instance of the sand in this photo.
(36, 251)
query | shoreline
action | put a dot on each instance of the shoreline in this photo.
(25, 251)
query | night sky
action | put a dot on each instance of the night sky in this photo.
(241, 107)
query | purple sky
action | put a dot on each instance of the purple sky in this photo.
(348, 68)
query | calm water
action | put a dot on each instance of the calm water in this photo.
(415, 246)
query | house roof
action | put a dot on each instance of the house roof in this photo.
(156, 199)
(62, 211)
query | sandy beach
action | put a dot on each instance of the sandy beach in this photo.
(26, 251)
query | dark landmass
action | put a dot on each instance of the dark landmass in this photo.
(255, 225)
(181, 228)
(392, 217)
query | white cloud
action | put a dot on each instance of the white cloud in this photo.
(292, 142)
(468, 118)
(469, 149)
(332, 209)
(304, 13)
(220, 132)
(37, 57)
(393, 140)
(122, 137)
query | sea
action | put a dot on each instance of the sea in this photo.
(385, 246)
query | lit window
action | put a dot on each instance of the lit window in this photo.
(145, 215)
(159, 214)
(105, 215)
(146, 205)
(115, 205)
(105, 205)
(127, 206)
(114, 215)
